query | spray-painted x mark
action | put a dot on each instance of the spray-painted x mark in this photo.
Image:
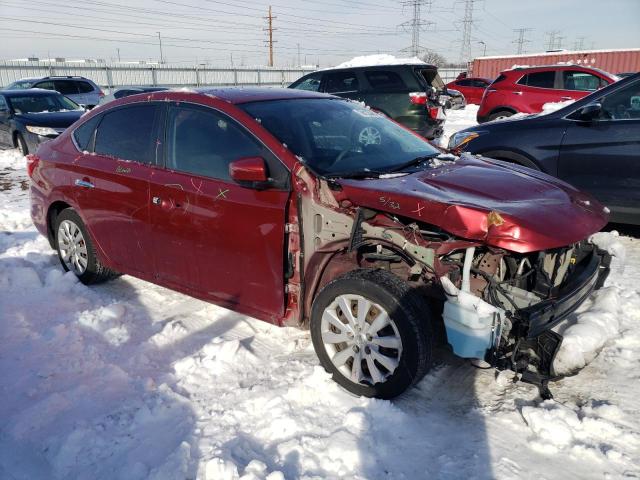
(222, 193)
(419, 210)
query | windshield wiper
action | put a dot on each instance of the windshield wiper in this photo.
(357, 174)
(413, 161)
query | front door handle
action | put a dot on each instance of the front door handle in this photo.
(517, 93)
(84, 183)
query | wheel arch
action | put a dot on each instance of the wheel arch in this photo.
(53, 211)
(512, 157)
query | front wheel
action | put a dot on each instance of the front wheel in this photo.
(21, 145)
(372, 333)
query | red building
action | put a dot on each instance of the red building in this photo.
(613, 61)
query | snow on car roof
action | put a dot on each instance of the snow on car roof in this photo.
(378, 59)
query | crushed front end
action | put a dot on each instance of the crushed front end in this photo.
(503, 307)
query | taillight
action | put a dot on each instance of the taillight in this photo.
(32, 163)
(418, 98)
(100, 93)
(436, 113)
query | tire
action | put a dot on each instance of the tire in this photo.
(500, 114)
(403, 364)
(21, 145)
(78, 256)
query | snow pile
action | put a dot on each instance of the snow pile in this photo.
(550, 107)
(379, 59)
(457, 120)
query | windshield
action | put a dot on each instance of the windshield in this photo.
(20, 85)
(337, 137)
(42, 104)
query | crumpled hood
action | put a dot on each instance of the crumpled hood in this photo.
(539, 211)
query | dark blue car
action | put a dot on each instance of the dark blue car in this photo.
(31, 117)
(593, 144)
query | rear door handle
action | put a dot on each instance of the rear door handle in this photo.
(517, 93)
(84, 183)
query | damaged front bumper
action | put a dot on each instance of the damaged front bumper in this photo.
(533, 353)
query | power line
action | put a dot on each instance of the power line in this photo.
(521, 40)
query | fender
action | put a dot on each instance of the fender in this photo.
(512, 156)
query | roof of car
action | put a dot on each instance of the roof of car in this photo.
(237, 95)
(29, 92)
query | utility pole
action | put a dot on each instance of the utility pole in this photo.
(298, 54)
(160, 43)
(484, 49)
(270, 29)
(521, 40)
(118, 54)
(416, 24)
(467, 25)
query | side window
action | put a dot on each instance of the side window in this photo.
(465, 83)
(539, 79)
(204, 142)
(480, 83)
(3, 104)
(66, 87)
(623, 104)
(45, 85)
(384, 80)
(129, 133)
(85, 133)
(340, 82)
(84, 87)
(311, 84)
(576, 80)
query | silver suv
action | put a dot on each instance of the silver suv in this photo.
(79, 89)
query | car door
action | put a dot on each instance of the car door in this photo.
(476, 90)
(603, 156)
(343, 83)
(111, 182)
(577, 84)
(5, 126)
(534, 89)
(213, 237)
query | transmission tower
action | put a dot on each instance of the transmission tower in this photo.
(416, 24)
(521, 40)
(467, 25)
(554, 41)
(579, 43)
(269, 18)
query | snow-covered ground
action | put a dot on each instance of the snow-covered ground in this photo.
(128, 380)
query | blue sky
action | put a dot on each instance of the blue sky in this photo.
(223, 31)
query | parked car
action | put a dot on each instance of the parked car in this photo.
(79, 89)
(29, 118)
(126, 91)
(625, 74)
(472, 88)
(409, 93)
(300, 208)
(593, 144)
(452, 99)
(527, 89)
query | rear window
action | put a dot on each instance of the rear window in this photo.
(84, 87)
(340, 82)
(539, 79)
(129, 133)
(385, 80)
(83, 135)
(311, 84)
(432, 77)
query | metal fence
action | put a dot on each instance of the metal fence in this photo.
(109, 76)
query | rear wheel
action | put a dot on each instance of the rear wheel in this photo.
(500, 115)
(21, 145)
(372, 333)
(76, 251)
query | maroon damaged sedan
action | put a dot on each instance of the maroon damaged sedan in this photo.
(304, 209)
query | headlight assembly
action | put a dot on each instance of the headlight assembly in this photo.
(43, 131)
(460, 139)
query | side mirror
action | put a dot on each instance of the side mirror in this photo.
(249, 170)
(589, 112)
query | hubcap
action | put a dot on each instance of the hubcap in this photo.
(361, 340)
(370, 136)
(73, 248)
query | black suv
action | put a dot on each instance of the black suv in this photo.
(409, 94)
